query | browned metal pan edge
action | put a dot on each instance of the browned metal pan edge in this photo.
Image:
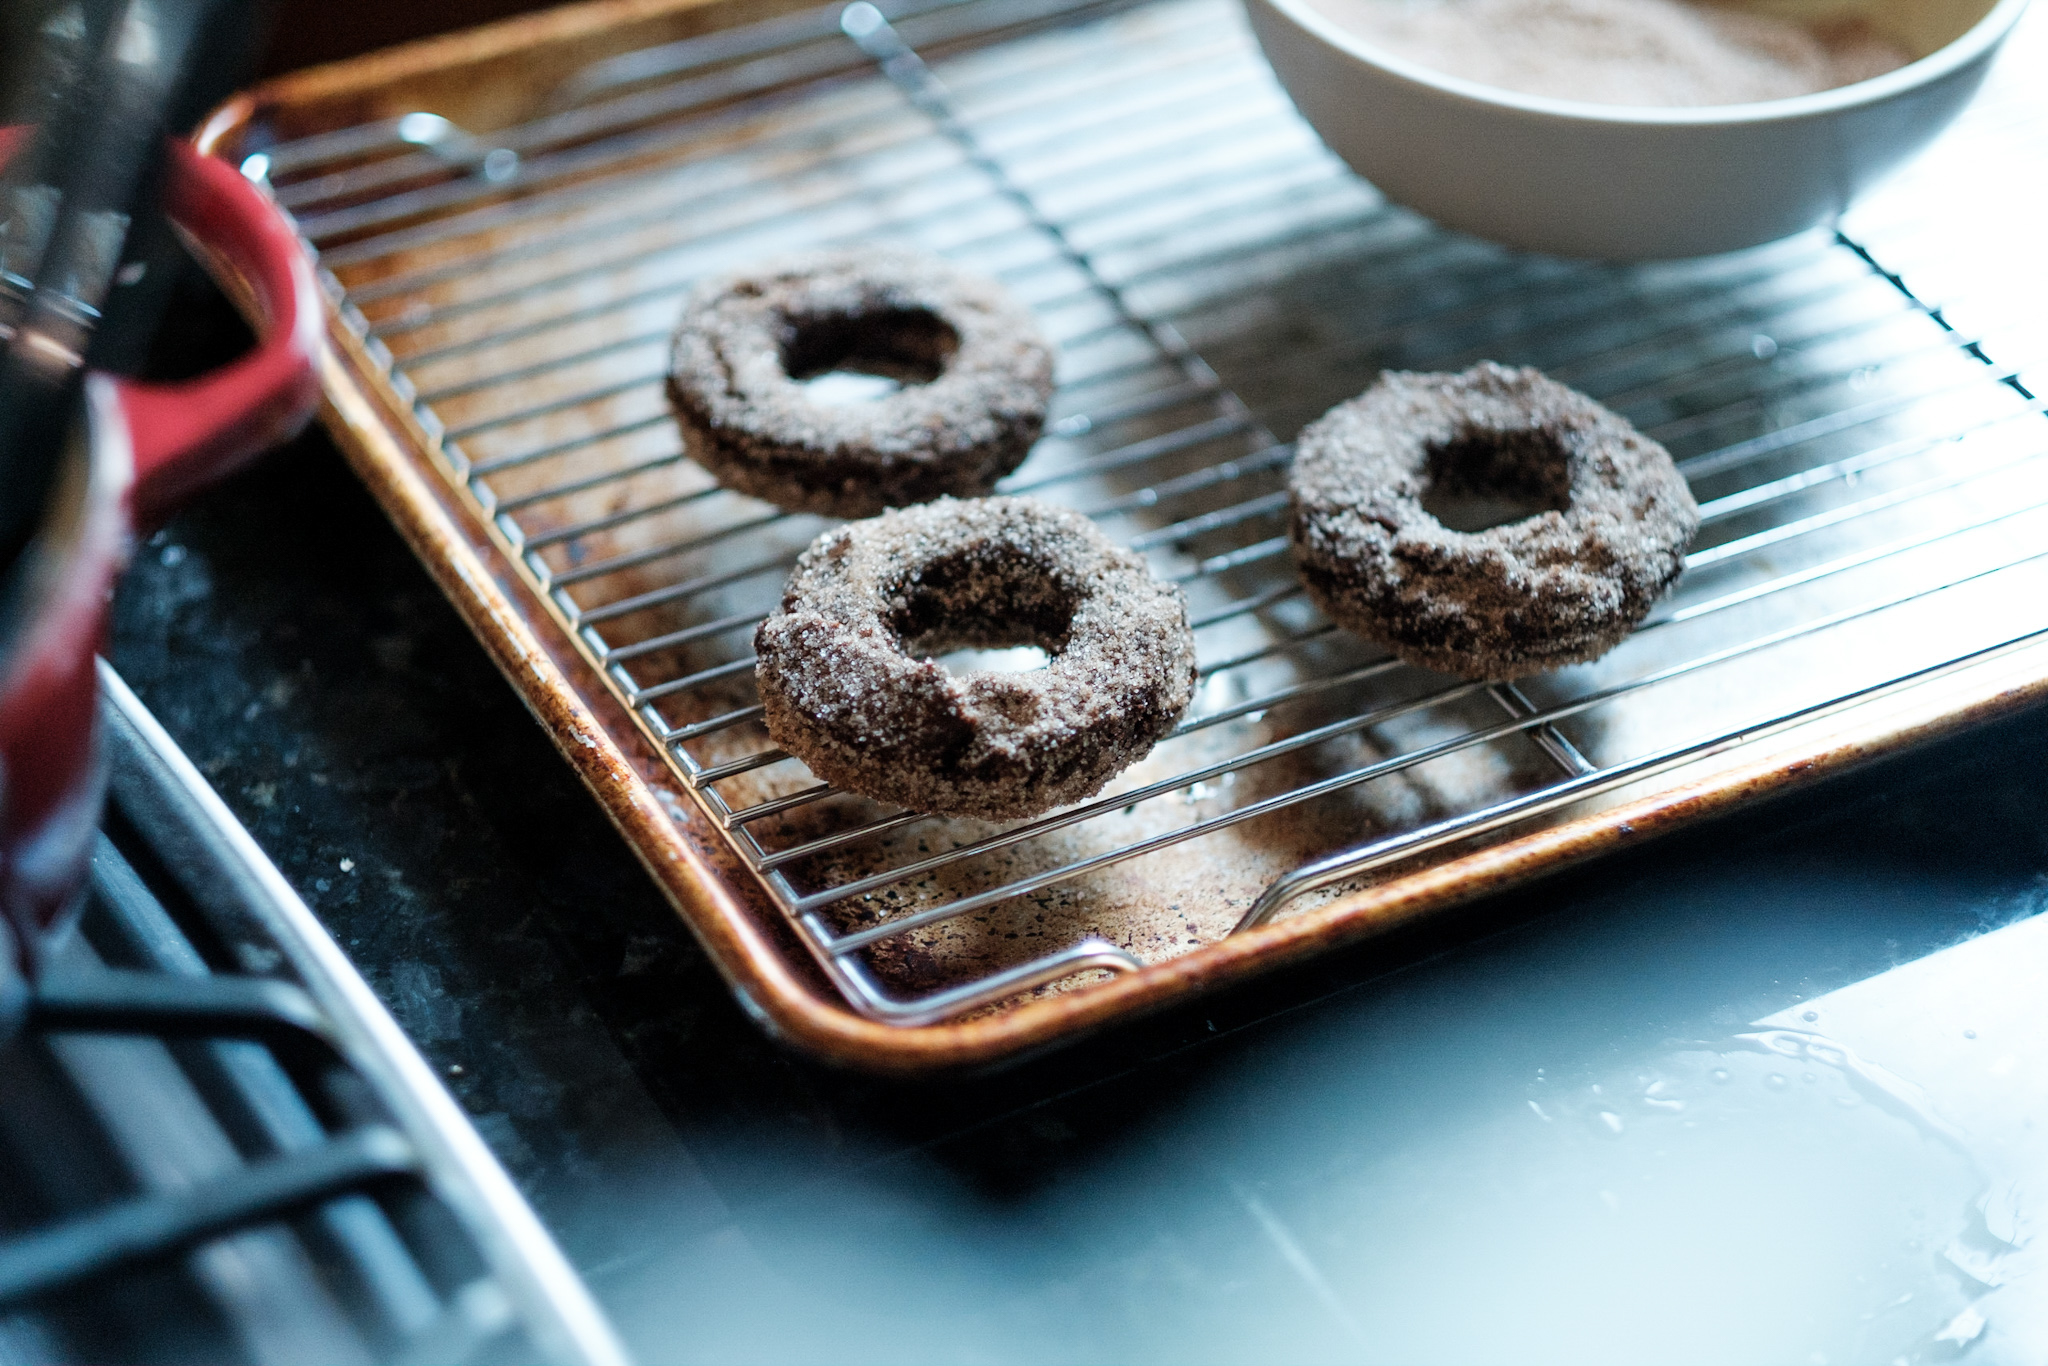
(745, 935)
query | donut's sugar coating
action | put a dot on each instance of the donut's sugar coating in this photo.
(977, 376)
(1562, 586)
(846, 684)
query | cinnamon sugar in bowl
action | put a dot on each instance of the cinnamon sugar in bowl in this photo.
(1636, 162)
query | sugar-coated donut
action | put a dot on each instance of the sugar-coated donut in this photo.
(976, 375)
(1558, 587)
(847, 686)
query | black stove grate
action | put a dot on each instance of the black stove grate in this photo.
(216, 1146)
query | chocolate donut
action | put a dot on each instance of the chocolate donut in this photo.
(1560, 586)
(976, 375)
(847, 687)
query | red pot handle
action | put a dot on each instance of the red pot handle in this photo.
(185, 435)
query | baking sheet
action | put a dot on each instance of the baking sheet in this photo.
(1215, 279)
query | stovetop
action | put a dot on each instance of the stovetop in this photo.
(215, 1146)
(1575, 1125)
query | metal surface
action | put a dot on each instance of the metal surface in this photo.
(218, 1146)
(1868, 463)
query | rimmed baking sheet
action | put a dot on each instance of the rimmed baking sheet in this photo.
(1868, 454)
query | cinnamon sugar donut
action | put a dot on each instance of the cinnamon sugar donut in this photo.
(1557, 587)
(976, 376)
(847, 686)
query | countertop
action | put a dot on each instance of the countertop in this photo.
(1549, 1130)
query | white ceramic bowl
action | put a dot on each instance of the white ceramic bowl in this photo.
(1626, 182)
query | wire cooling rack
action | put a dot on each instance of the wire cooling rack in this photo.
(1867, 452)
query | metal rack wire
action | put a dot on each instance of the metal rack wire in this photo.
(1869, 468)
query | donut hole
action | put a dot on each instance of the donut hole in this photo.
(1014, 659)
(841, 358)
(1495, 478)
(968, 614)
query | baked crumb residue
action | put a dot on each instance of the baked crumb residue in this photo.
(1169, 903)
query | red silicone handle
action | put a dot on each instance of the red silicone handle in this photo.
(186, 435)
